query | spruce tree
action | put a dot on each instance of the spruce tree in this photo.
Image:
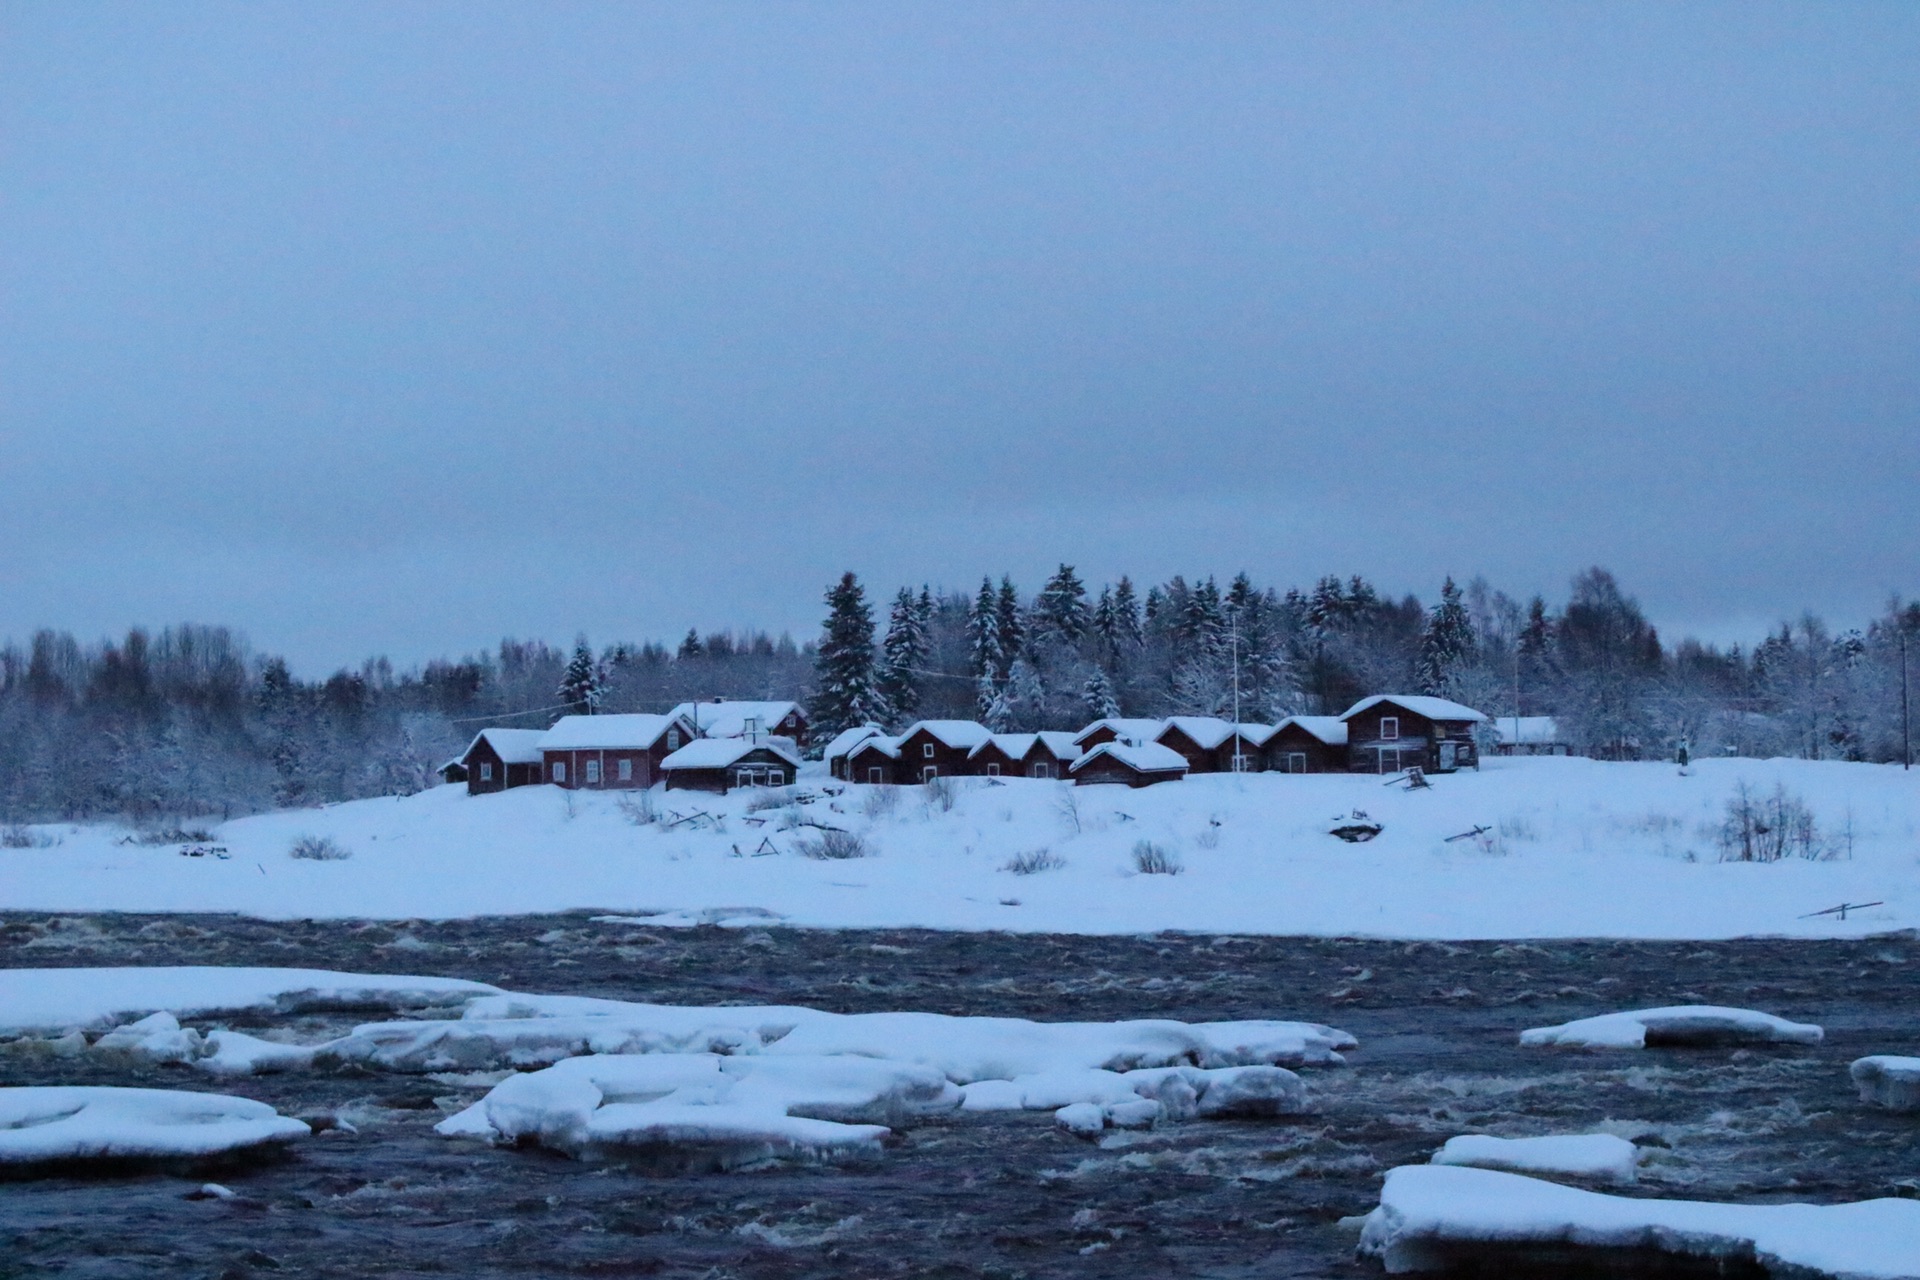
(1013, 629)
(690, 646)
(1060, 610)
(1447, 642)
(582, 687)
(844, 694)
(1126, 611)
(1099, 696)
(904, 653)
(984, 650)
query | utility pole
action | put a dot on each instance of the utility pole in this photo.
(1234, 632)
(1906, 716)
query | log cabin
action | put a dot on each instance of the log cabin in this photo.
(721, 764)
(497, 759)
(1307, 744)
(1046, 754)
(1118, 729)
(611, 753)
(875, 760)
(938, 748)
(1127, 764)
(840, 750)
(1393, 731)
(730, 718)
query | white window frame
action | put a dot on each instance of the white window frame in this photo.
(560, 772)
(993, 769)
(1242, 762)
(876, 774)
(929, 772)
(592, 772)
(1042, 769)
(626, 768)
(486, 771)
(776, 777)
(673, 739)
(926, 751)
(1296, 762)
(1389, 728)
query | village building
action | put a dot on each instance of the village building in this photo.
(1529, 736)
(1127, 764)
(721, 764)
(1307, 744)
(1212, 745)
(497, 759)
(730, 718)
(1046, 754)
(1391, 731)
(938, 749)
(1118, 729)
(837, 752)
(875, 760)
(603, 753)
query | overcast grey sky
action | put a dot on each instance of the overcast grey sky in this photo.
(403, 327)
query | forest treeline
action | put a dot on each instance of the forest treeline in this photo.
(188, 721)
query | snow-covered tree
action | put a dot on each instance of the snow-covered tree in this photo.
(904, 653)
(584, 684)
(1098, 697)
(1447, 643)
(845, 693)
(1060, 610)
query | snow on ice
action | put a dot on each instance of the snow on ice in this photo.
(1437, 1218)
(40, 1124)
(1890, 1082)
(1691, 1024)
(1574, 848)
(1600, 1156)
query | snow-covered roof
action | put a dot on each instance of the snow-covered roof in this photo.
(962, 735)
(1331, 730)
(718, 753)
(1205, 732)
(608, 733)
(1016, 746)
(513, 746)
(1420, 704)
(1135, 730)
(885, 744)
(847, 739)
(1527, 730)
(728, 718)
(1148, 757)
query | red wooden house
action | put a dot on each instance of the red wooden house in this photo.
(1391, 731)
(938, 748)
(1307, 744)
(720, 764)
(1126, 764)
(497, 759)
(1117, 729)
(1046, 754)
(608, 753)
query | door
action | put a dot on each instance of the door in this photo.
(876, 774)
(1449, 755)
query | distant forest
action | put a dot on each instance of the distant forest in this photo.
(188, 721)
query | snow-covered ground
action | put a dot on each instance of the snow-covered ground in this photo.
(1571, 848)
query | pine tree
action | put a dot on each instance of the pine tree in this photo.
(1060, 610)
(690, 646)
(1099, 697)
(1447, 643)
(1126, 611)
(1013, 629)
(904, 653)
(844, 693)
(583, 687)
(987, 655)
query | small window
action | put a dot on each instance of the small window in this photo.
(876, 774)
(929, 773)
(1389, 728)
(486, 771)
(926, 750)
(1043, 770)
(776, 778)
(993, 770)
(673, 739)
(593, 772)
(560, 771)
(1242, 762)
(626, 768)
(1296, 762)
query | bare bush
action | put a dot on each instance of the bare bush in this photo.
(1210, 838)
(20, 836)
(1518, 828)
(880, 801)
(638, 807)
(1033, 861)
(1770, 828)
(942, 792)
(765, 798)
(1151, 859)
(319, 849)
(174, 835)
(834, 846)
(1068, 806)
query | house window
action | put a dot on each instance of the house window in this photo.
(926, 750)
(876, 774)
(993, 770)
(626, 768)
(1389, 728)
(593, 772)
(1389, 760)
(776, 777)
(1242, 762)
(673, 739)
(486, 771)
(560, 772)
(929, 773)
(1043, 770)
(1296, 762)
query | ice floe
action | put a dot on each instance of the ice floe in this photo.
(1600, 1156)
(1887, 1081)
(1440, 1218)
(1691, 1024)
(59, 1124)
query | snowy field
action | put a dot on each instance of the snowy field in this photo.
(1570, 848)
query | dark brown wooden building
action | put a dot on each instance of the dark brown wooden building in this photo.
(611, 753)
(721, 764)
(875, 760)
(1117, 729)
(1047, 754)
(1390, 732)
(938, 748)
(840, 751)
(1307, 744)
(497, 759)
(741, 718)
(1125, 764)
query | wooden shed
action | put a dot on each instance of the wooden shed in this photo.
(1118, 729)
(721, 764)
(743, 718)
(1212, 745)
(840, 750)
(938, 749)
(1391, 731)
(1126, 764)
(497, 759)
(1529, 736)
(875, 760)
(611, 753)
(1046, 754)
(1307, 744)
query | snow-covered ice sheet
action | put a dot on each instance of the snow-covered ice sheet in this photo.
(50, 1001)
(1673, 1025)
(41, 1124)
(1584, 848)
(1600, 1156)
(524, 1030)
(1888, 1081)
(1432, 1217)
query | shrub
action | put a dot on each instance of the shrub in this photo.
(1769, 828)
(20, 836)
(765, 798)
(1034, 860)
(638, 808)
(319, 849)
(880, 801)
(834, 846)
(941, 793)
(1151, 859)
(175, 835)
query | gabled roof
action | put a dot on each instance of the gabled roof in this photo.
(885, 744)
(1149, 758)
(1205, 732)
(847, 739)
(1331, 730)
(610, 733)
(961, 735)
(513, 746)
(718, 753)
(1418, 703)
(1018, 746)
(1138, 730)
(728, 719)
(1527, 730)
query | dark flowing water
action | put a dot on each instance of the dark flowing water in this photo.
(994, 1195)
